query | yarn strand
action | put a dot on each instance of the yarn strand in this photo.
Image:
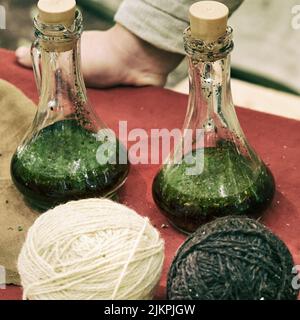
(129, 260)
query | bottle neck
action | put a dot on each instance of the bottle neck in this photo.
(61, 79)
(57, 66)
(210, 105)
(210, 90)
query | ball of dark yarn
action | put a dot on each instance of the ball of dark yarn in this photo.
(232, 258)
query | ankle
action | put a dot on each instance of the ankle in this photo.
(145, 63)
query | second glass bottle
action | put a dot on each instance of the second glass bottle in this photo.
(213, 171)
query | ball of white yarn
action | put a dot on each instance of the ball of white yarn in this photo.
(91, 249)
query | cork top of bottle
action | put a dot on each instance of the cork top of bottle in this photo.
(57, 11)
(209, 20)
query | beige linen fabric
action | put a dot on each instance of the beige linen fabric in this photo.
(16, 114)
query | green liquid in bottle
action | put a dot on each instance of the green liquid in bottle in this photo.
(60, 165)
(228, 185)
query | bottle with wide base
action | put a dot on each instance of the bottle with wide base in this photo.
(230, 178)
(68, 153)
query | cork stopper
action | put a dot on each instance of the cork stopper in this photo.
(208, 20)
(57, 11)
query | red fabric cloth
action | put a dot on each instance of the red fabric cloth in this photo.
(276, 139)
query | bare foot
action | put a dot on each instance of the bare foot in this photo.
(118, 57)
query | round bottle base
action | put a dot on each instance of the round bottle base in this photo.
(227, 186)
(61, 164)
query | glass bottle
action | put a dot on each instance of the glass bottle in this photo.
(68, 152)
(232, 179)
